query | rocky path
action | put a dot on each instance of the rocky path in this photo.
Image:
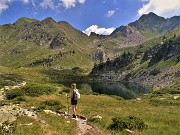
(10, 112)
(85, 128)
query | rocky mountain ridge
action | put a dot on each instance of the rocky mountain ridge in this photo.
(157, 62)
(48, 38)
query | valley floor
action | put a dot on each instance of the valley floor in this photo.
(160, 112)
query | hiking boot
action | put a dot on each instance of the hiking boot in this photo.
(74, 116)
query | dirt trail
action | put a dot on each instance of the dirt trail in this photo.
(85, 129)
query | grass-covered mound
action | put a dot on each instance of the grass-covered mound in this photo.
(130, 122)
(10, 79)
(53, 105)
(32, 90)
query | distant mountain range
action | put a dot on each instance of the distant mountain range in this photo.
(154, 63)
(149, 23)
(47, 43)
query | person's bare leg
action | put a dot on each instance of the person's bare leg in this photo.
(74, 109)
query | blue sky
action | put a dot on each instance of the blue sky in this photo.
(100, 16)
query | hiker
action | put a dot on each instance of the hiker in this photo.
(74, 98)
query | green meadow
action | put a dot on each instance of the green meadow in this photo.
(159, 111)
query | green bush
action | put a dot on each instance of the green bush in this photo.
(130, 122)
(21, 99)
(11, 94)
(155, 72)
(53, 105)
(66, 90)
(170, 91)
(10, 79)
(97, 121)
(177, 74)
(157, 102)
(35, 90)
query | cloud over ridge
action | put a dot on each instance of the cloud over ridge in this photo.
(165, 8)
(97, 30)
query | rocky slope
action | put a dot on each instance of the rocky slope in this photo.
(44, 43)
(146, 27)
(47, 43)
(154, 63)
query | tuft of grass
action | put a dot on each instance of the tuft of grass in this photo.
(34, 129)
(53, 105)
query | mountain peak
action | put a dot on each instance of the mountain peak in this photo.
(63, 22)
(24, 20)
(49, 19)
(151, 16)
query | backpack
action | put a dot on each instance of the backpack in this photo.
(76, 94)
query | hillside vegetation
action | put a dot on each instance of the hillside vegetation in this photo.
(153, 61)
(46, 43)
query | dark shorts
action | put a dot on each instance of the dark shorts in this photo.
(74, 102)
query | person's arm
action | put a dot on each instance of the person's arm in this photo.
(71, 95)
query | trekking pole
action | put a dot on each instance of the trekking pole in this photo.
(67, 103)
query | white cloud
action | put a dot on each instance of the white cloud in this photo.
(110, 13)
(165, 8)
(47, 4)
(97, 30)
(144, 0)
(4, 4)
(25, 1)
(53, 4)
(71, 3)
(33, 3)
(82, 1)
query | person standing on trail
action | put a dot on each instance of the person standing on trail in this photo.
(74, 98)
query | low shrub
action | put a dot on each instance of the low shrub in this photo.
(11, 94)
(169, 91)
(53, 105)
(20, 99)
(117, 97)
(35, 90)
(130, 122)
(155, 72)
(66, 90)
(96, 120)
(32, 90)
(157, 102)
(177, 74)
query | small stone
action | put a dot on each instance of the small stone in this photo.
(138, 99)
(128, 130)
(176, 97)
(68, 121)
(97, 117)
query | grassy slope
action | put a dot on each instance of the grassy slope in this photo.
(161, 119)
(161, 116)
(16, 54)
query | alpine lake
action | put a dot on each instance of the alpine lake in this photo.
(126, 90)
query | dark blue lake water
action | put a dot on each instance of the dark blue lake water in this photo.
(124, 90)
